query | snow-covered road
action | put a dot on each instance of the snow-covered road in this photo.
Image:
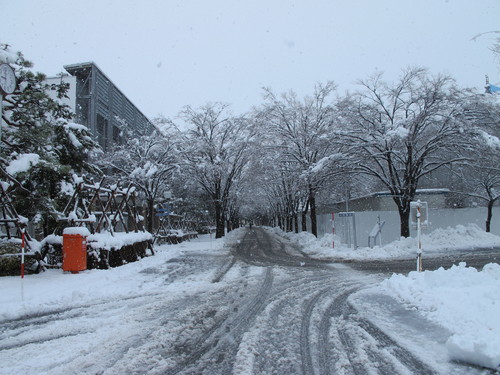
(258, 307)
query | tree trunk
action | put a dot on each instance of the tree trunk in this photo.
(304, 217)
(219, 221)
(151, 214)
(404, 217)
(288, 223)
(312, 204)
(296, 222)
(489, 215)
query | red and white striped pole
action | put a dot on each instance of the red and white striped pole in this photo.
(22, 253)
(333, 229)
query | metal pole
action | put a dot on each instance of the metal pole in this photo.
(348, 230)
(22, 253)
(419, 252)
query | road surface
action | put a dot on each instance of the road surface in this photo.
(266, 309)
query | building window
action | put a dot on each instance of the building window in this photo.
(102, 131)
(116, 135)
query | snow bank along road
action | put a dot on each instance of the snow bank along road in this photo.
(263, 308)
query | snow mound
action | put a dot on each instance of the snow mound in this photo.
(463, 300)
(440, 240)
(459, 237)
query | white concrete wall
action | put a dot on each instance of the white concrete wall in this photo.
(438, 218)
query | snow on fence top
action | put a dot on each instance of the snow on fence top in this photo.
(105, 240)
(114, 242)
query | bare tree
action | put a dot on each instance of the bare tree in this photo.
(303, 130)
(402, 132)
(480, 174)
(148, 162)
(215, 152)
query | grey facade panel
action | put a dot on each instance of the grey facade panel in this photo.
(104, 109)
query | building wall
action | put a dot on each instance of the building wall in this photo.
(100, 105)
(369, 210)
(383, 202)
(438, 218)
(71, 100)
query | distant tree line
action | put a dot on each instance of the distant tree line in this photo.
(274, 165)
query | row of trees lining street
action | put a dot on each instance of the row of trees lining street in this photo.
(276, 164)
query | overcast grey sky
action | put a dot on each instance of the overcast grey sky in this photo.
(164, 54)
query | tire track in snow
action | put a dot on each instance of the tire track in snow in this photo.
(222, 339)
(224, 270)
(305, 348)
(324, 354)
(366, 346)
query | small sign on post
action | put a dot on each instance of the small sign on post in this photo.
(419, 217)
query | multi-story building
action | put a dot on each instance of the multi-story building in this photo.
(101, 106)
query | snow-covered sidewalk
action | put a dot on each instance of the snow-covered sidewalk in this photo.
(54, 289)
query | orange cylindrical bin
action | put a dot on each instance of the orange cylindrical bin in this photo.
(75, 249)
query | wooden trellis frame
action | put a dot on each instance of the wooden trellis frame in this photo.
(169, 224)
(103, 208)
(10, 219)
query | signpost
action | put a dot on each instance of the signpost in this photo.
(418, 214)
(163, 212)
